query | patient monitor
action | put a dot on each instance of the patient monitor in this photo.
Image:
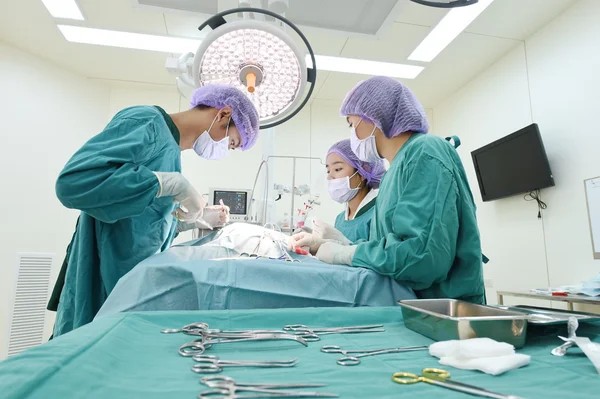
(238, 201)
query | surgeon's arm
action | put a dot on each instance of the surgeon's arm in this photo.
(421, 249)
(106, 177)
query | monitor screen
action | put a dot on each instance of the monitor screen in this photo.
(512, 165)
(235, 200)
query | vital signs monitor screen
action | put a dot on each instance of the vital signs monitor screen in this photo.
(235, 200)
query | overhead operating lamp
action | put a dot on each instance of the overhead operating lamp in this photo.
(256, 56)
(445, 4)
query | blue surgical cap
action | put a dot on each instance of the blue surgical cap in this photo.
(388, 104)
(244, 114)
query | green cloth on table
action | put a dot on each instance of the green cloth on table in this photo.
(126, 356)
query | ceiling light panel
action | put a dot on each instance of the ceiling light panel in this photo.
(447, 30)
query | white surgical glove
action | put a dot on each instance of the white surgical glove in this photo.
(303, 229)
(336, 254)
(304, 239)
(328, 232)
(191, 203)
(216, 215)
(198, 224)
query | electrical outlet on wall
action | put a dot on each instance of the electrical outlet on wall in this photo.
(488, 282)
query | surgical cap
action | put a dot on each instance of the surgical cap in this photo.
(244, 114)
(372, 172)
(388, 104)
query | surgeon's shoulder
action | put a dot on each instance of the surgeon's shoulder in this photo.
(432, 146)
(142, 113)
(142, 117)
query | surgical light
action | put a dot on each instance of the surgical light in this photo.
(257, 57)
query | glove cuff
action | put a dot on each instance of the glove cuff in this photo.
(160, 184)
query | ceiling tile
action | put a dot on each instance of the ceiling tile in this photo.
(517, 19)
(416, 14)
(394, 46)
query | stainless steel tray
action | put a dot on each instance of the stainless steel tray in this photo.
(546, 316)
(445, 319)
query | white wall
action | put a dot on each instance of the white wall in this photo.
(47, 114)
(559, 66)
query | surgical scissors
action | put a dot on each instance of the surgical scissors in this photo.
(226, 387)
(212, 364)
(313, 334)
(441, 378)
(198, 346)
(351, 357)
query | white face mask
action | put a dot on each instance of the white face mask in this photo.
(366, 149)
(207, 148)
(340, 190)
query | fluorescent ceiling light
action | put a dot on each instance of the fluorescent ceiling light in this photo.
(66, 9)
(365, 67)
(446, 30)
(167, 44)
(138, 41)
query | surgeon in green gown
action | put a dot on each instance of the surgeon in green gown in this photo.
(424, 230)
(127, 183)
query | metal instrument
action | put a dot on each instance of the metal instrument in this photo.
(198, 346)
(212, 364)
(228, 388)
(441, 378)
(202, 329)
(351, 357)
(313, 334)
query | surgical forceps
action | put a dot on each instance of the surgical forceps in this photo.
(198, 346)
(351, 357)
(313, 334)
(228, 388)
(441, 378)
(202, 329)
(212, 364)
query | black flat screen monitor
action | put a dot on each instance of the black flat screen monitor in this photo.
(515, 164)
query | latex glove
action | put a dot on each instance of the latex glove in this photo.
(303, 229)
(198, 224)
(327, 231)
(216, 215)
(336, 254)
(304, 239)
(191, 203)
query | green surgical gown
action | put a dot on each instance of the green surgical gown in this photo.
(122, 222)
(424, 230)
(358, 228)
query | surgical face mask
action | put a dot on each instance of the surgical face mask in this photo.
(207, 148)
(340, 190)
(366, 149)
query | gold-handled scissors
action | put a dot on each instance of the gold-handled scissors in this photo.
(441, 378)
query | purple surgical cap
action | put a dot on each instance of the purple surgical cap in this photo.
(388, 104)
(244, 114)
(371, 171)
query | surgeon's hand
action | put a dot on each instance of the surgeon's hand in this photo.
(303, 229)
(191, 203)
(304, 239)
(328, 232)
(336, 254)
(216, 215)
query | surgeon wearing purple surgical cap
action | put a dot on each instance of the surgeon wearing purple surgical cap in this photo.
(127, 183)
(424, 230)
(355, 184)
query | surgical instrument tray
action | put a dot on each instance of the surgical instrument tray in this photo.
(446, 319)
